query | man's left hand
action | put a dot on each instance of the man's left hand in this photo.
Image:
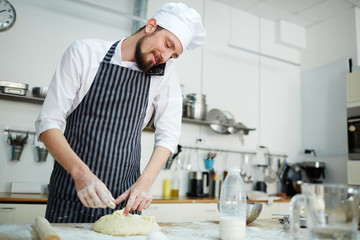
(139, 198)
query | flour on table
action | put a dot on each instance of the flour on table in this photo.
(120, 225)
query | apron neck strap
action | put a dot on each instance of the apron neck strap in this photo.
(110, 53)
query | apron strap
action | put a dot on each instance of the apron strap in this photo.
(110, 53)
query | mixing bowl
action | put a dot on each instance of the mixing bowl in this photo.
(253, 211)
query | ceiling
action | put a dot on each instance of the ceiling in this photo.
(301, 12)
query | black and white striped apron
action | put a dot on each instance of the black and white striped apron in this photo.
(105, 132)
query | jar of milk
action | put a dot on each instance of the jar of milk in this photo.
(233, 207)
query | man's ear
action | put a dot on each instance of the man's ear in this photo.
(151, 26)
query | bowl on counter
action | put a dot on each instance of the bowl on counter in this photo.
(253, 210)
(39, 92)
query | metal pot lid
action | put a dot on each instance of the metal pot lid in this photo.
(217, 121)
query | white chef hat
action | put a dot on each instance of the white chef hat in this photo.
(184, 22)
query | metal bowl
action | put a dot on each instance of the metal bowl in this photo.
(253, 211)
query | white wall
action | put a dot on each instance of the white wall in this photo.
(261, 92)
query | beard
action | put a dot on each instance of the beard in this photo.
(140, 58)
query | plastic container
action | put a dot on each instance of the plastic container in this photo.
(233, 207)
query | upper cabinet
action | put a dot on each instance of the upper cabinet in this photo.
(353, 89)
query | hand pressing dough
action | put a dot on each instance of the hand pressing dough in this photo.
(118, 224)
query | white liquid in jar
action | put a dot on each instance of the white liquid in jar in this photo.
(232, 228)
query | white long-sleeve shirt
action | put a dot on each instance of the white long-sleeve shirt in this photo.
(76, 72)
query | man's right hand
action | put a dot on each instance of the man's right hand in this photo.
(92, 192)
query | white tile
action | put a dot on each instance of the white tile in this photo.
(355, 2)
(267, 11)
(300, 20)
(292, 34)
(294, 6)
(325, 9)
(243, 4)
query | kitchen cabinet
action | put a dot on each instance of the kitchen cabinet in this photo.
(20, 213)
(353, 89)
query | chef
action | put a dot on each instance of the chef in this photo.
(105, 93)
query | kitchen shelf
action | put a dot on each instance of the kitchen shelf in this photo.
(206, 123)
(150, 127)
(19, 98)
(194, 121)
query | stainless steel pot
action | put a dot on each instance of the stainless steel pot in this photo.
(196, 97)
(195, 110)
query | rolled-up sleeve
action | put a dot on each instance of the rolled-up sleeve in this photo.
(62, 91)
(168, 111)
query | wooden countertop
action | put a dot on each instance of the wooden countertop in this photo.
(6, 197)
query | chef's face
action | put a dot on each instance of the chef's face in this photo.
(156, 48)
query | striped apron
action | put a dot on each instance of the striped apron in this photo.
(105, 132)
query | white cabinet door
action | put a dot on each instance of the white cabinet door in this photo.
(183, 212)
(353, 89)
(20, 213)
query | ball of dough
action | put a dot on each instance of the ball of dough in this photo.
(156, 236)
(118, 224)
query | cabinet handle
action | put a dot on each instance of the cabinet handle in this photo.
(7, 208)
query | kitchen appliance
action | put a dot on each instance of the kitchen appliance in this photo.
(260, 184)
(353, 134)
(199, 184)
(314, 171)
(14, 88)
(290, 178)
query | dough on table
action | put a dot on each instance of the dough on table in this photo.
(118, 224)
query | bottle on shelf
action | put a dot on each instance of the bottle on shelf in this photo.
(175, 187)
(233, 207)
